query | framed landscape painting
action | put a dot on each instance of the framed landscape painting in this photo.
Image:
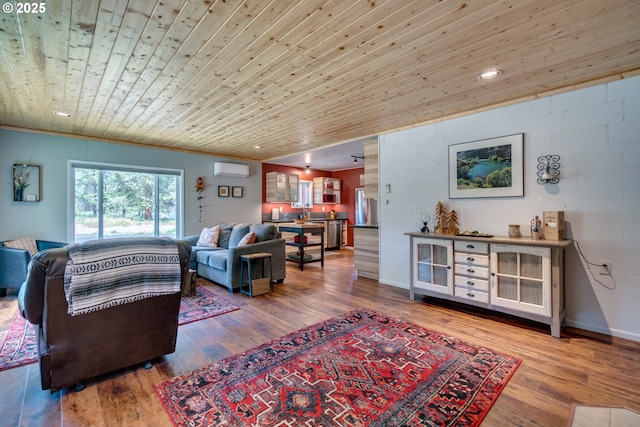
(487, 168)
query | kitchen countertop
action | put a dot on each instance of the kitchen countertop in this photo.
(280, 221)
(309, 225)
(364, 226)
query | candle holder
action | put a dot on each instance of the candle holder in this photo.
(548, 169)
(425, 217)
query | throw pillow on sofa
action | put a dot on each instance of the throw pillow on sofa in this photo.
(209, 237)
(27, 244)
(225, 234)
(237, 233)
(264, 232)
(248, 239)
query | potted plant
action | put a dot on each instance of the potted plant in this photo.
(20, 181)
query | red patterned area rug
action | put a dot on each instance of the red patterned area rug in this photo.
(359, 369)
(202, 305)
(20, 345)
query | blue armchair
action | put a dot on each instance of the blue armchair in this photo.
(14, 262)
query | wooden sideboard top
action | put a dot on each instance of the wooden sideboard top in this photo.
(496, 239)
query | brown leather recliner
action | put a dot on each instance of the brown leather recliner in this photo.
(75, 348)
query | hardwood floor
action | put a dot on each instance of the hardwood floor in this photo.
(555, 373)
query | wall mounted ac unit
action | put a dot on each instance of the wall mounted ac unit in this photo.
(230, 169)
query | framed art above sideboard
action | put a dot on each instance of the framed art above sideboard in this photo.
(487, 168)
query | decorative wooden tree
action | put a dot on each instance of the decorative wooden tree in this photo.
(441, 218)
(453, 222)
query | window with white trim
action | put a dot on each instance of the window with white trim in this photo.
(125, 201)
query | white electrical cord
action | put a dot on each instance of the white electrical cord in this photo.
(589, 264)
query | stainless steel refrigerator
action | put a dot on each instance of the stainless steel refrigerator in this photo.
(366, 209)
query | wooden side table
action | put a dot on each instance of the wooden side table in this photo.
(255, 285)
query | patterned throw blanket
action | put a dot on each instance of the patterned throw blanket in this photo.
(104, 273)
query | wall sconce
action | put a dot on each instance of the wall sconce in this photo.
(355, 158)
(548, 172)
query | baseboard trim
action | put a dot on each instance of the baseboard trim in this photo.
(610, 332)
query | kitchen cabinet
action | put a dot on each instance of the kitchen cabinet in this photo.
(517, 276)
(281, 187)
(371, 169)
(366, 251)
(326, 190)
(333, 232)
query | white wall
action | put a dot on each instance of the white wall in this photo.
(47, 219)
(596, 132)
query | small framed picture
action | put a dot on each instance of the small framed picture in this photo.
(223, 191)
(237, 191)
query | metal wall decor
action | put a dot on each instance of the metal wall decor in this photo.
(548, 169)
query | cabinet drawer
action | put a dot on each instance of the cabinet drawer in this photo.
(469, 246)
(471, 283)
(472, 295)
(471, 259)
(471, 271)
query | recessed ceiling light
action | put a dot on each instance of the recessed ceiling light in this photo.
(257, 147)
(489, 74)
(61, 114)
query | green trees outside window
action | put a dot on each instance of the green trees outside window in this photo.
(123, 203)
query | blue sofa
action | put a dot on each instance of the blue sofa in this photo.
(222, 264)
(14, 263)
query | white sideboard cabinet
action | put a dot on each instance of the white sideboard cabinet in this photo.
(471, 271)
(521, 278)
(432, 262)
(517, 276)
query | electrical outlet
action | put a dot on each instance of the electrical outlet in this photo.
(605, 267)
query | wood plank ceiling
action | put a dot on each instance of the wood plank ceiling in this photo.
(221, 77)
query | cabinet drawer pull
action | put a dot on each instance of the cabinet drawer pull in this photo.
(470, 246)
(470, 259)
(470, 283)
(470, 295)
(470, 270)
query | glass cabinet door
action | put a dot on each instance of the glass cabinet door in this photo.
(520, 278)
(281, 187)
(292, 186)
(432, 269)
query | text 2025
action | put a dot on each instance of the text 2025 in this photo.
(31, 7)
